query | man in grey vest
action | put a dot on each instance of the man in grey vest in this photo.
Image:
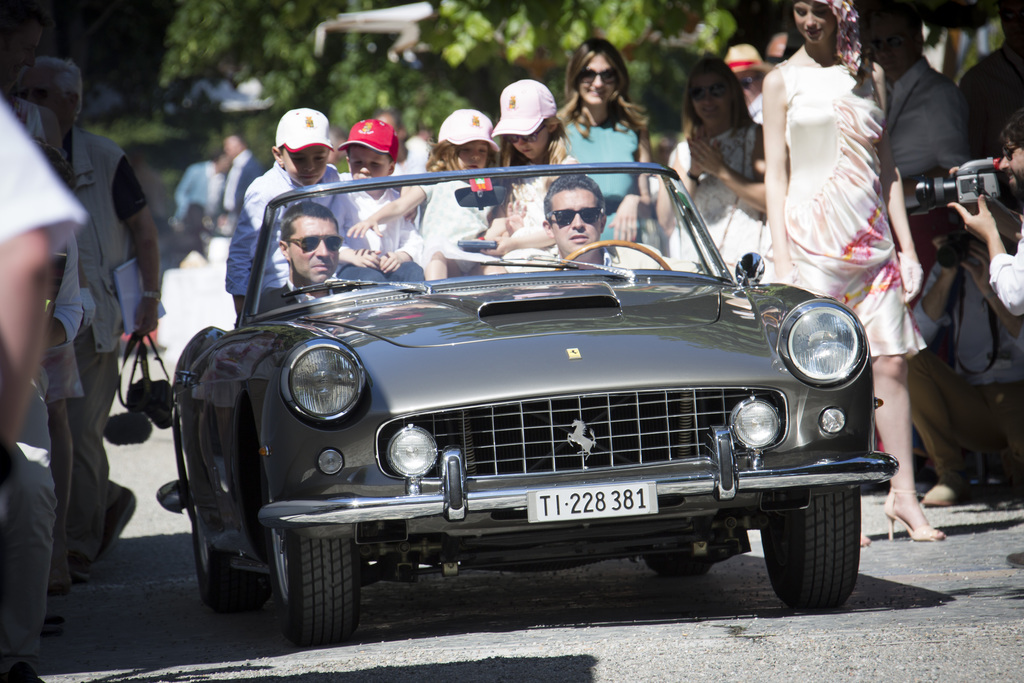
(120, 227)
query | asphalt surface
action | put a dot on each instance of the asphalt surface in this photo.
(950, 611)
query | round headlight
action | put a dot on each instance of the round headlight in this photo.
(412, 451)
(323, 380)
(755, 423)
(824, 344)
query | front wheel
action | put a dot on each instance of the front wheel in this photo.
(223, 587)
(316, 587)
(813, 555)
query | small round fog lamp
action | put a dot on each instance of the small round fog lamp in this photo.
(412, 451)
(330, 461)
(755, 423)
(832, 420)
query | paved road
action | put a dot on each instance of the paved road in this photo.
(951, 611)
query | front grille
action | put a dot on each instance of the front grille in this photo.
(554, 434)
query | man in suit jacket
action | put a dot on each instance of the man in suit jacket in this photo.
(244, 169)
(926, 115)
(310, 242)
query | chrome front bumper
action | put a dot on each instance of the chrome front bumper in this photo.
(720, 478)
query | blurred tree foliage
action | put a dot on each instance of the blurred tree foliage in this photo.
(142, 60)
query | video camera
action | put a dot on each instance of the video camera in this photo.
(971, 180)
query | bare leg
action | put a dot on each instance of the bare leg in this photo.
(894, 426)
(437, 269)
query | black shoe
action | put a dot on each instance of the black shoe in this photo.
(23, 673)
(115, 520)
(1016, 559)
(79, 567)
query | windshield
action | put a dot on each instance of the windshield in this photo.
(418, 232)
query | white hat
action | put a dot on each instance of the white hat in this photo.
(524, 106)
(467, 125)
(302, 128)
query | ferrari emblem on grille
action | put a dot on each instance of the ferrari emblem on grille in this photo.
(582, 436)
(574, 354)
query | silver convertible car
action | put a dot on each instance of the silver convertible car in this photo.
(563, 392)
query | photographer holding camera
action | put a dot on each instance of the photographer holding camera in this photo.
(974, 401)
(1006, 272)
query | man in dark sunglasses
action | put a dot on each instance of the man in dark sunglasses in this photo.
(574, 215)
(310, 242)
(994, 87)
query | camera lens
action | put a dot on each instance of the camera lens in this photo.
(947, 256)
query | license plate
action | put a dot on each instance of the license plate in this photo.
(592, 502)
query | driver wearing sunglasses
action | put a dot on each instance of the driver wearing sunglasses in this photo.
(310, 244)
(574, 211)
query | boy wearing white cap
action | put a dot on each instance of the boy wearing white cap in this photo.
(300, 154)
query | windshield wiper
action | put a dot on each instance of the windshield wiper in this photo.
(337, 285)
(549, 262)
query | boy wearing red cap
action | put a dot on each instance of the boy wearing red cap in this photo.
(388, 253)
(300, 155)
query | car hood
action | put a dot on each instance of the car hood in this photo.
(546, 308)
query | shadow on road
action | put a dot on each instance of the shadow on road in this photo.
(141, 613)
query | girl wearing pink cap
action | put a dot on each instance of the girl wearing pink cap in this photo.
(464, 143)
(531, 133)
(832, 194)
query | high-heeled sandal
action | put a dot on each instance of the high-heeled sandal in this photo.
(921, 533)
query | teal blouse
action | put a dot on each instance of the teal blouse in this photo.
(607, 142)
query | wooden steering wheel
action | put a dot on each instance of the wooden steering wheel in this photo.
(600, 244)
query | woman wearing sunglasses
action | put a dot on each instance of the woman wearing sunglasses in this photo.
(832, 193)
(721, 161)
(602, 124)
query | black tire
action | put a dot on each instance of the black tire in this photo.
(221, 586)
(813, 554)
(677, 564)
(316, 587)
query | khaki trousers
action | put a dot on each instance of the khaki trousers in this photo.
(91, 489)
(951, 414)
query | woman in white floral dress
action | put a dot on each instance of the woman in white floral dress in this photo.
(721, 163)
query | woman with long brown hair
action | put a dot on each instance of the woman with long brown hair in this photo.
(603, 124)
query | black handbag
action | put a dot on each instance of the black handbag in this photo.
(154, 398)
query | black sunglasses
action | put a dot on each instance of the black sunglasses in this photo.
(532, 137)
(607, 76)
(717, 90)
(308, 244)
(1008, 151)
(565, 217)
(894, 43)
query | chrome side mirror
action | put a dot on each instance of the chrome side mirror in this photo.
(749, 269)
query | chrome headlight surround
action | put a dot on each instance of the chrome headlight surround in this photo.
(822, 343)
(322, 379)
(755, 423)
(412, 452)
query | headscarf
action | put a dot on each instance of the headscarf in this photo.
(848, 32)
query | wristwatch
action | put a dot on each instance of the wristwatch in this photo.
(148, 294)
